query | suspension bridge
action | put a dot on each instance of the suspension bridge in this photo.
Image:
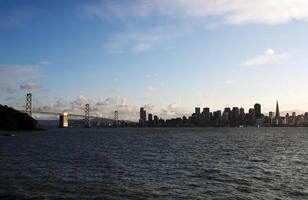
(64, 116)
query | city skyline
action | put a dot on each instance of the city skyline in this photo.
(168, 56)
(228, 117)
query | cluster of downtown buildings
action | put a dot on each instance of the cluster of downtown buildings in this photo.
(235, 117)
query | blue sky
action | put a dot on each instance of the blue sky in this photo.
(168, 56)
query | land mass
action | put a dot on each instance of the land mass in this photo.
(11, 119)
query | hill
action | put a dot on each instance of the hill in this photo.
(11, 119)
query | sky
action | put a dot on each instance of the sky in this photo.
(166, 55)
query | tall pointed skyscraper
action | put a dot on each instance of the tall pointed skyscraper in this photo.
(277, 114)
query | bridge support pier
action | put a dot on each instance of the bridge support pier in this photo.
(63, 120)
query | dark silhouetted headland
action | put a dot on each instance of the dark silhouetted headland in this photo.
(11, 119)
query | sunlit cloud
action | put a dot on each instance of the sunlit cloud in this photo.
(173, 110)
(126, 109)
(268, 56)
(30, 86)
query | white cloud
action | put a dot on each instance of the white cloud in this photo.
(180, 15)
(152, 89)
(267, 57)
(245, 11)
(215, 11)
(150, 108)
(79, 103)
(155, 75)
(139, 40)
(229, 82)
(58, 106)
(126, 109)
(155, 89)
(172, 110)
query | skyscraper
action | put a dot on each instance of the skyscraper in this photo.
(216, 118)
(271, 117)
(242, 117)
(150, 117)
(235, 117)
(142, 115)
(257, 108)
(252, 117)
(277, 114)
(197, 110)
(206, 115)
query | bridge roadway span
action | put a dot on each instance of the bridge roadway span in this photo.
(70, 114)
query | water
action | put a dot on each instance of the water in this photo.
(189, 163)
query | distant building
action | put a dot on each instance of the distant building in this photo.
(286, 119)
(235, 117)
(260, 122)
(271, 114)
(225, 119)
(206, 114)
(277, 115)
(216, 118)
(156, 120)
(150, 117)
(227, 109)
(257, 108)
(251, 119)
(242, 121)
(143, 115)
(271, 117)
(306, 116)
(197, 110)
(293, 118)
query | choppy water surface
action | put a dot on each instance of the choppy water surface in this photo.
(155, 164)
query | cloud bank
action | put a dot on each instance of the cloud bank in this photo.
(233, 12)
(178, 16)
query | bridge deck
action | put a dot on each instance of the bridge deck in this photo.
(72, 115)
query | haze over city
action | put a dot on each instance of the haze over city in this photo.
(166, 56)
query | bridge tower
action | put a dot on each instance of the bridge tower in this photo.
(29, 104)
(87, 116)
(116, 116)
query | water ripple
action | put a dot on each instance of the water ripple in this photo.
(188, 163)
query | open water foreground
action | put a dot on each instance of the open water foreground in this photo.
(158, 163)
